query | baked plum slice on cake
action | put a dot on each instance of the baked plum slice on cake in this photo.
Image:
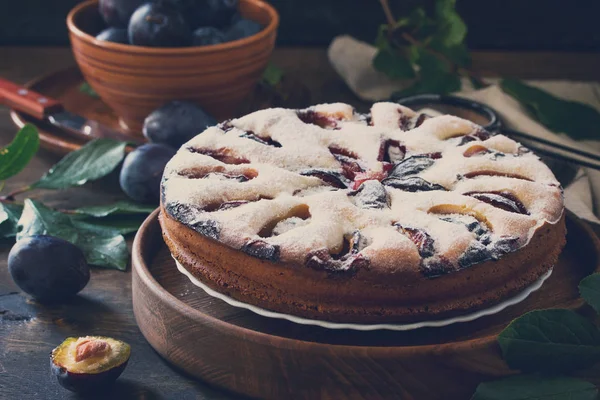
(390, 216)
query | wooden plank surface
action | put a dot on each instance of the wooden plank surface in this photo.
(28, 331)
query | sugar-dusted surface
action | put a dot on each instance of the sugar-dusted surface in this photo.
(267, 160)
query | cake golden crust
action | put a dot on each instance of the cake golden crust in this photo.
(362, 297)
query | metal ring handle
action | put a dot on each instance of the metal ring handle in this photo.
(484, 110)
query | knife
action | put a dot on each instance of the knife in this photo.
(50, 110)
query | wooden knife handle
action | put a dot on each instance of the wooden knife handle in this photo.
(26, 100)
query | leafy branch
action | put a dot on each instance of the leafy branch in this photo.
(428, 51)
(97, 230)
(545, 344)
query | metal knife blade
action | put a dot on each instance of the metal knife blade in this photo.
(78, 125)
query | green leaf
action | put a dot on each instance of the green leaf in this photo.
(118, 208)
(435, 76)
(9, 217)
(393, 64)
(96, 159)
(272, 75)
(87, 89)
(16, 156)
(121, 224)
(550, 340)
(451, 29)
(589, 288)
(37, 219)
(533, 387)
(458, 54)
(102, 246)
(577, 120)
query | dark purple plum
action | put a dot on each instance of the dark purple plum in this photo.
(262, 140)
(331, 178)
(412, 184)
(48, 268)
(262, 249)
(501, 199)
(176, 122)
(241, 29)
(411, 166)
(208, 35)
(117, 12)
(371, 194)
(423, 241)
(158, 25)
(142, 172)
(475, 254)
(217, 13)
(115, 35)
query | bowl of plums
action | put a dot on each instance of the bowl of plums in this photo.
(140, 54)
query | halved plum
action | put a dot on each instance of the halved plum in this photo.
(89, 363)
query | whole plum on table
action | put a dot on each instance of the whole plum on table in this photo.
(142, 172)
(217, 13)
(48, 268)
(208, 35)
(241, 29)
(176, 122)
(158, 25)
(89, 363)
(117, 12)
(115, 35)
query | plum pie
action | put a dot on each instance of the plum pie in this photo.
(389, 216)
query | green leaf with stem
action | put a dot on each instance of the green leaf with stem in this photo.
(87, 89)
(435, 76)
(16, 156)
(451, 29)
(553, 340)
(123, 224)
(272, 75)
(92, 161)
(9, 218)
(534, 387)
(589, 288)
(102, 246)
(119, 208)
(577, 120)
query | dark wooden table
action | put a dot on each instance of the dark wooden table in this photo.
(29, 331)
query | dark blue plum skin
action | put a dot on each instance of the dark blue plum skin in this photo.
(158, 25)
(115, 35)
(241, 29)
(176, 122)
(208, 35)
(48, 268)
(116, 13)
(198, 13)
(142, 172)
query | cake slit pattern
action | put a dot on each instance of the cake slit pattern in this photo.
(390, 179)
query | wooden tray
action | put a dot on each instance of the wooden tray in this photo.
(261, 357)
(64, 85)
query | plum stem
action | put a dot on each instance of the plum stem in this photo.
(10, 198)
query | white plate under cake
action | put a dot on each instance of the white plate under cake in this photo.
(390, 216)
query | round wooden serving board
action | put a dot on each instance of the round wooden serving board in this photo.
(236, 349)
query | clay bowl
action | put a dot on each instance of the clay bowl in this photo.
(135, 80)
